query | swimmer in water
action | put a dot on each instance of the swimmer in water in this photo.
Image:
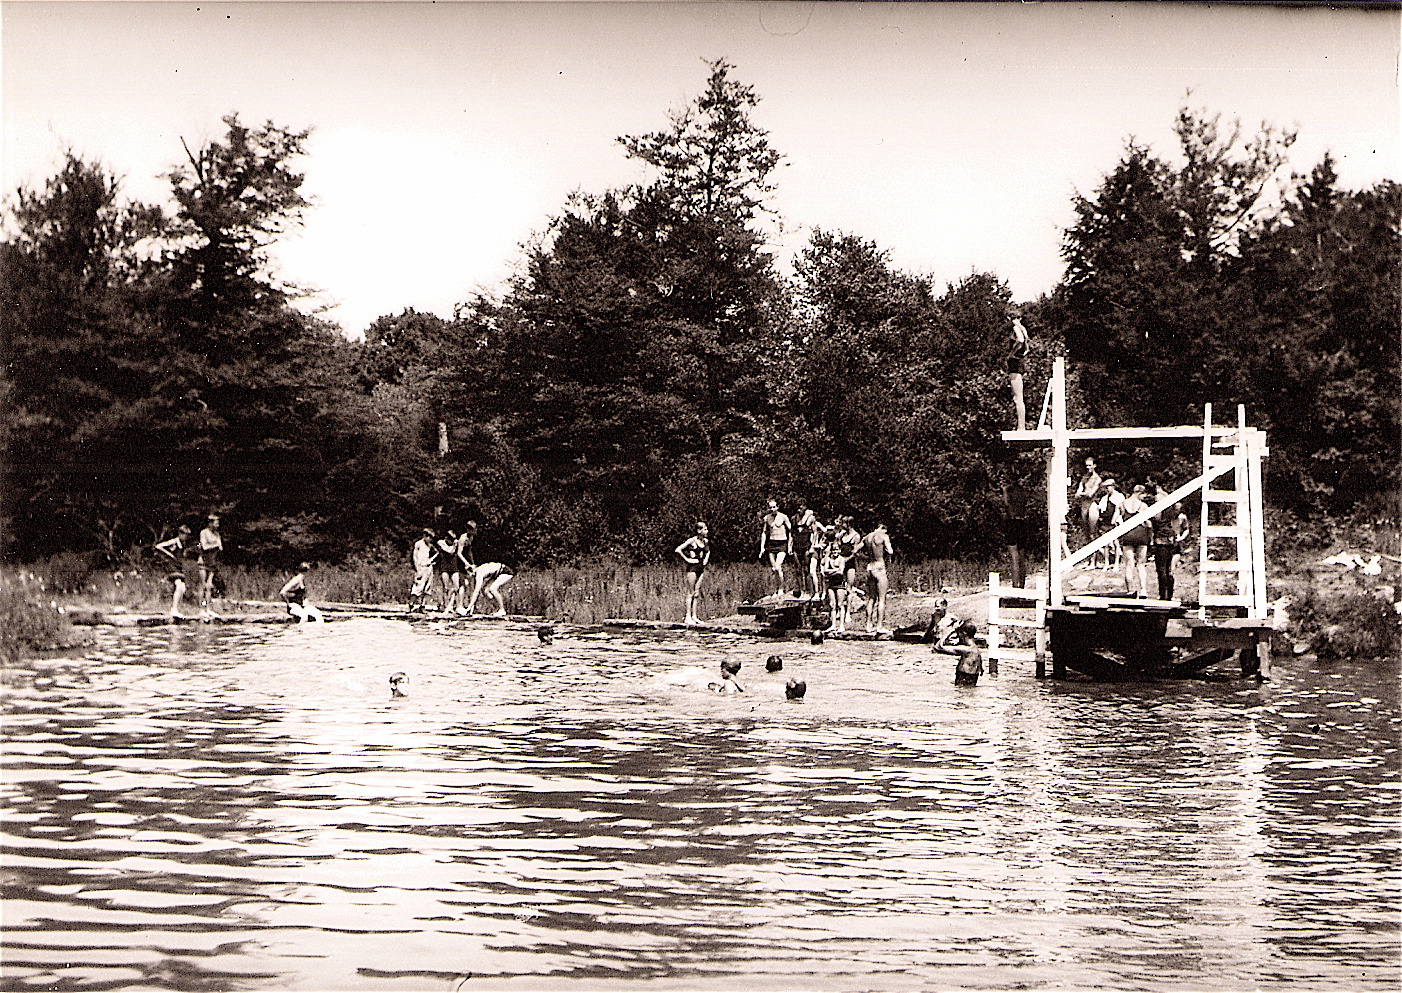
(727, 683)
(773, 664)
(396, 682)
(794, 689)
(546, 634)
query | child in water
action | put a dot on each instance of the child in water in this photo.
(960, 642)
(727, 683)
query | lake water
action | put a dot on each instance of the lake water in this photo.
(214, 808)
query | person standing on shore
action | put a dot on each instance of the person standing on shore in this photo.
(695, 553)
(177, 549)
(422, 556)
(804, 519)
(878, 546)
(211, 550)
(449, 579)
(776, 542)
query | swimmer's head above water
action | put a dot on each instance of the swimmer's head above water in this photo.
(794, 689)
(773, 664)
(396, 684)
(730, 666)
(546, 634)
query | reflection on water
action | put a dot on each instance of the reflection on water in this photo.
(213, 808)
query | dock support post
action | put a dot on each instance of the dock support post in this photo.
(1040, 585)
(1057, 481)
(995, 632)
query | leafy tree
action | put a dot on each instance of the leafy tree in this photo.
(712, 160)
(76, 355)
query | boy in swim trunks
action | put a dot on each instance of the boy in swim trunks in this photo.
(960, 642)
(776, 542)
(211, 549)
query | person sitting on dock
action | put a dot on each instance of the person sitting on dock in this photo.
(695, 553)
(294, 593)
(422, 557)
(960, 642)
(727, 683)
(178, 550)
(490, 577)
(776, 542)
(877, 546)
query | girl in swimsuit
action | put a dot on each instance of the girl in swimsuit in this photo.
(178, 551)
(294, 592)
(804, 555)
(1017, 350)
(695, 552)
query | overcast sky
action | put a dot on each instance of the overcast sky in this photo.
(444, 135)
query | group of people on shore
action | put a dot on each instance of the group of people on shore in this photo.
(829, 560)
(193, 564)
(450, 559)
(1101, 505)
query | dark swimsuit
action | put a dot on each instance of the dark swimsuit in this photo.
(1017, 350)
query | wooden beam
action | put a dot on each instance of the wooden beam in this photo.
(1043, 436)
(1089, 549)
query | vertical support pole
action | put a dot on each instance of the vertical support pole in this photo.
(1057, 481)
(1202, 524)
(1245, 520)
(995, 617)
(1040, 585)
(1258, 529)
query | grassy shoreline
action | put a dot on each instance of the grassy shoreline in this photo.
(1335, 611)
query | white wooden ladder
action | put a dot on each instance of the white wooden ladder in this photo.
(1234, 531)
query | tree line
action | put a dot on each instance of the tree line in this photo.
(649, 365)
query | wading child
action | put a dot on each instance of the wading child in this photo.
(960, 643)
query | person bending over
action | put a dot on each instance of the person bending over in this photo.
(490, 577)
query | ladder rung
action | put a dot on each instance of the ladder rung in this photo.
(1222, 462)
(1224, 531)
(1220, 565)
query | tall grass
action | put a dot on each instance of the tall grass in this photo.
(584, 594)
(29, 616)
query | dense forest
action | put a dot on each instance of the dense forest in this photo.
(649, 364)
